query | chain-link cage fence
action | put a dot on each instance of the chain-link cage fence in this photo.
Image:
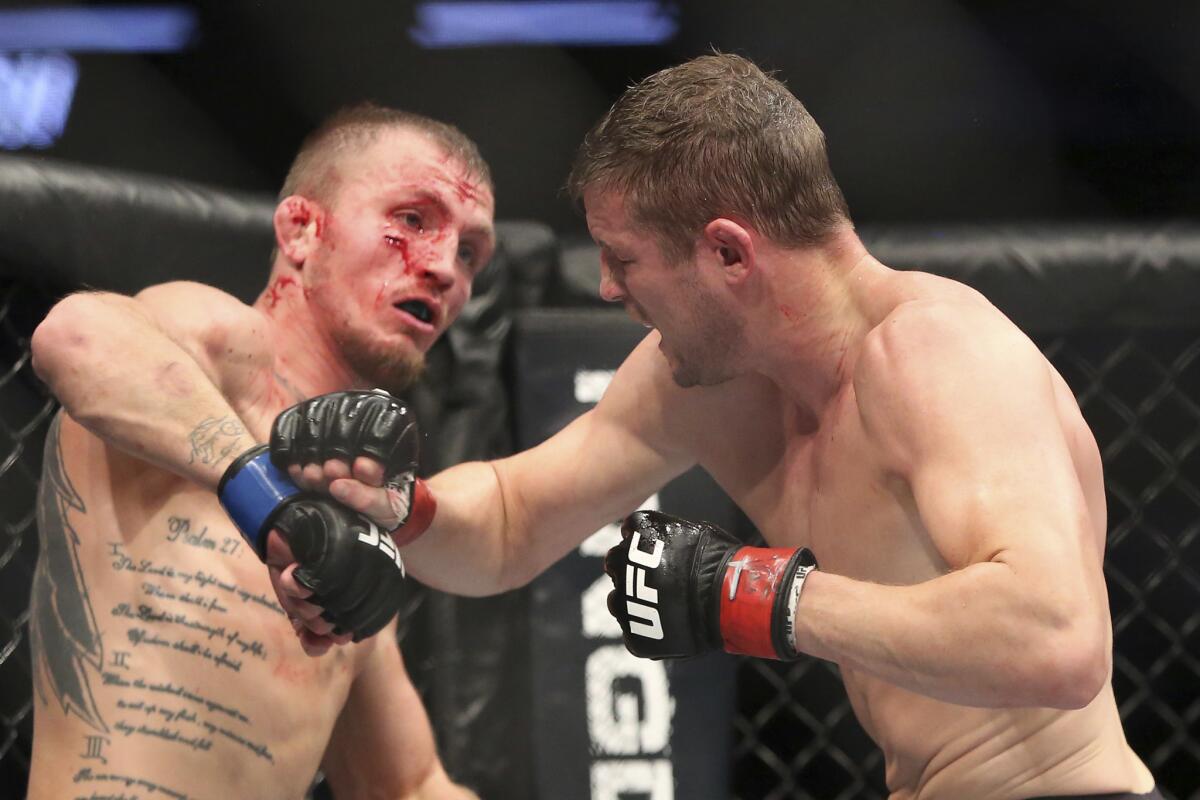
(1140, 392)
(25, 411)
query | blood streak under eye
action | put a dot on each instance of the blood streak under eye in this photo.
(400, 244)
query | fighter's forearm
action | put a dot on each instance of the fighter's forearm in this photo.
(467, 549)
(977, 636)
(489, 535)
(126, 381)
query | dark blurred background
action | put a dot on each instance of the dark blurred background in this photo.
(934, 110)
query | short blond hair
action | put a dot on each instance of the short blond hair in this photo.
(358, 126)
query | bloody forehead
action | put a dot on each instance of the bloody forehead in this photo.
(465, 185)
(448, 179)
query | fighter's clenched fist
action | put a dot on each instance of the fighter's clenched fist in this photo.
(347, 567)
(349, 426)
(681, 588)
(347, 574)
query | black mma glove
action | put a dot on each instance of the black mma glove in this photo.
(345, 425)
(683, 588)
(351, 567)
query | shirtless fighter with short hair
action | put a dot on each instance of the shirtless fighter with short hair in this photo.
(931, 494)
(164, 668)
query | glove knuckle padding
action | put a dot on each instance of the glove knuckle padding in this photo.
(381, 613)
(362, 593)
(345, 425)
(305, 532)
(686, 576)
(614, 608)
(358, 586)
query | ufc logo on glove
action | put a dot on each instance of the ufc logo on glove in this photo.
(682, 588)
(372, 538)
(635, 587)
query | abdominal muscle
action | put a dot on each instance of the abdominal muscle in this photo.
(934, 749)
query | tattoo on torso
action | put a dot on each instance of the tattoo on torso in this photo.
(176, 608)
(62, 624)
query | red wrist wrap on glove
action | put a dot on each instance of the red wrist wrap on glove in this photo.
(420, 515)
(753, 579)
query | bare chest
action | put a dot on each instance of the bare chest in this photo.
(826, 489)
(159, 635)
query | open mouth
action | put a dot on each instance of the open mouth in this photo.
(418, 309)
(638, 316)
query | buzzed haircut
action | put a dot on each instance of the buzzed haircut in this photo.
(713, 137)
(358, 126)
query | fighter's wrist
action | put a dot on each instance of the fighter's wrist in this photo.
(759, 590)
(806, 565)
(416, 518)
(252, 490)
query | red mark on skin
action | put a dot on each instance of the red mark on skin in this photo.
(276, 289)
(326, 230)
(467, 190)
(425, 252)
(379, 297)
(175, 381)
(400, 244)
(788, 313)
(464, 188)
(296, 670)
(296, 210)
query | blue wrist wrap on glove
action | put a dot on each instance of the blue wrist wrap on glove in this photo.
(251, 491)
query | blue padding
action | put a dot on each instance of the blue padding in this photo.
(252, 493)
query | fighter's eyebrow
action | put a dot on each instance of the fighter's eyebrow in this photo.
(484, 236)
(432, 197)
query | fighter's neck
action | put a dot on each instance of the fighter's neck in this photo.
(307, 360)
(817, 317)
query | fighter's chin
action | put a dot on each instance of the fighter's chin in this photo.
(681, 373)
(394, 366)
(687, 375)
(398, 376)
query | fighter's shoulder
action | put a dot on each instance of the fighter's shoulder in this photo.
(187, 304)
(931, 329)
(935, 353)
(212, 323)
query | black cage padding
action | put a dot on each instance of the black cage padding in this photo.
(76, 226)
(1054, 278)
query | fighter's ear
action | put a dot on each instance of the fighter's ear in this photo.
(297, 228)
(731, 247)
